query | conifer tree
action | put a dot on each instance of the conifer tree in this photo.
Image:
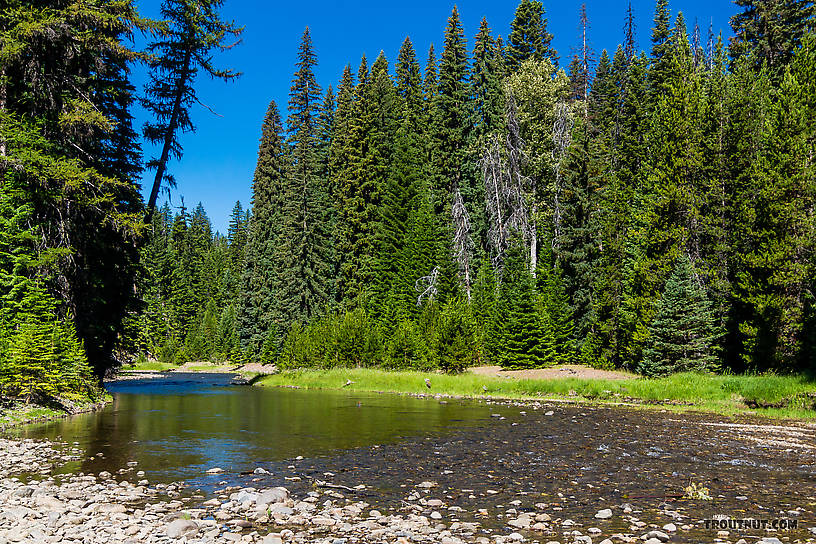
(523, 335)
(486, 87)
(408, 84)
(683, 335)
(256, 311)
(529, 38)
(195, 31)
(456, 192)
(371, 145)
(237, 235)
(303, 285)
(770, 31)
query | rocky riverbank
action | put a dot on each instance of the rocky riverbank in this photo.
(38, 507)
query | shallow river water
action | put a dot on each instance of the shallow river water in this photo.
(494, 456)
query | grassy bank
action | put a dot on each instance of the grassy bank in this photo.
(771, 396)
(14, 413)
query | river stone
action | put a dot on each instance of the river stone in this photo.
(52, 503)
(606, 513)
(273, 496)
(272, 539)
(24, 491)
(670, 527)
(543, 517)
(516, 536)
(659, 535)
(583, 540)
(770, 540)
(436, 515)
(521, 522)
(182, 527)
(281, 510)
(246, 496)
(606, 541)
(108, 508)
(653, 541)
(215, 470)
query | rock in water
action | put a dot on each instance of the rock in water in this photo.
(182, 527)
(606, 513)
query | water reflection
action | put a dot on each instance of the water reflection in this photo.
(178, 427)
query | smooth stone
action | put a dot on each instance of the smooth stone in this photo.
(583, 540)
(272, 496)
(111, 508)
(272, 539)
(660, 535)
(215, 470)
(516, 536)
(521, 522)
(606, 541)
(606, 513)
(182, 527)
(653, 541)
(436, 515)
(670, 527)
(770, 540)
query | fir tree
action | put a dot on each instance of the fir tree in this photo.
(770, 31)
(529, 38)
(195, 30)
(683, 335)
(485, 83)
(256, 312)
(303, 286)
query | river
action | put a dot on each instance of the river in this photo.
(504, 458)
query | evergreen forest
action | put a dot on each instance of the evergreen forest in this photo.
(502, 205)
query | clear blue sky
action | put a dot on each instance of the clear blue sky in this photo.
(219, 158)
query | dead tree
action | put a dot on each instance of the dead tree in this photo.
(462, 240)
(508, 192)
(426, 286)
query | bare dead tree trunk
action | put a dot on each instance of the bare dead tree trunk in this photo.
(462, 241)
(172, 126)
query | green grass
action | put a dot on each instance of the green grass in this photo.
(154, 366)
(709, 393)
(19, 413)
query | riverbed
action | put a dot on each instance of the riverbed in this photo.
(368, 467)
